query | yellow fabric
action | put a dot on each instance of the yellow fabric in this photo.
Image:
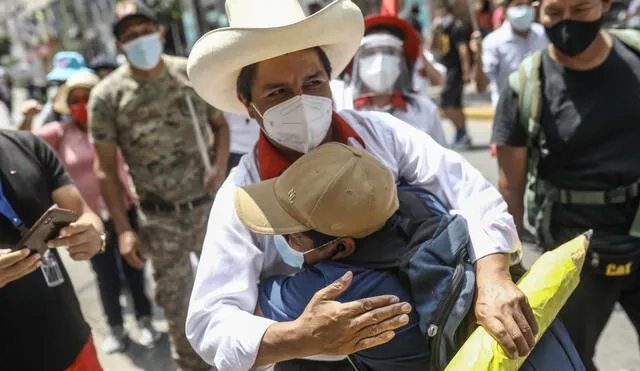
(547, 285)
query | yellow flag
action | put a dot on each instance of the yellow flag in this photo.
(547, 285)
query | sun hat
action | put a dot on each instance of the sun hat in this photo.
(411, 39)
(261, 30)
(66, 64)
(335, 189)
(82, 79)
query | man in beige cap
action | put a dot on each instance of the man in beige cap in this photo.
(335, 206)
(275, 64)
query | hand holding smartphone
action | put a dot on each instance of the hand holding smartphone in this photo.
(46, 228)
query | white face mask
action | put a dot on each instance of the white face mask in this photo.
(300, 123)
(521, 17)
(380, 71)
(144, 52)
(447, 20)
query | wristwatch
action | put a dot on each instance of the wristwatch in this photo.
(103, 243)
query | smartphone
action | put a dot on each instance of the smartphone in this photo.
(46, 228)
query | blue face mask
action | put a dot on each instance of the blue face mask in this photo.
(521, 17)
(144, 52)
(292, 257)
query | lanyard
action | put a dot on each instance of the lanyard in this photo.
(7, 210)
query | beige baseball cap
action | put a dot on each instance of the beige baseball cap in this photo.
(335, 189)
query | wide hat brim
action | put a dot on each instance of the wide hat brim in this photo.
(258, 209)
(218, 57)
(411, 40)
(63, 73)
(411, 37)
(80, 80)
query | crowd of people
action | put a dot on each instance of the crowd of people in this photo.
(297, 155)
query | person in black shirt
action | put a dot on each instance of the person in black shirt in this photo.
(589, 120)
(450, 40)
(41, 323)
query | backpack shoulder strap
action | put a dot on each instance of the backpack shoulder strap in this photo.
(629, 37)
(525, 81)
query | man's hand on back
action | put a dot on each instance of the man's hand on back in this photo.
(502, 309)
(334, 328)
(331, 328)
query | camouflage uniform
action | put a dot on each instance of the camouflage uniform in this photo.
(150, 121)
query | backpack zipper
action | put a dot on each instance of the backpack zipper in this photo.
(434, 330)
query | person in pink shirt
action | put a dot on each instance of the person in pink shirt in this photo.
(71, 142)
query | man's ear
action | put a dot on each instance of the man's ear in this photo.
(606, 5)
(344, 247)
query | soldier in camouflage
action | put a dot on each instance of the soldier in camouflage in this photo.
(142, 108)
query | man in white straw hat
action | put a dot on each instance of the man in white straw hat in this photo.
(275, 64)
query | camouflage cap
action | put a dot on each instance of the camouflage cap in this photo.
(127, 9)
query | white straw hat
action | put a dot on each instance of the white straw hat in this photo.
(264, 29)
(82, 79)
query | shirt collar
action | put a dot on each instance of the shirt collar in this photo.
(398, 101)
(271, 163)
(511, 36)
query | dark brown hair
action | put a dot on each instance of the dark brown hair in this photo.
(248, 73)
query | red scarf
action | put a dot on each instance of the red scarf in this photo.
(271, 163)
(398, 101)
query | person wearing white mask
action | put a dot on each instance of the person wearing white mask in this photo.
(148, 109)
(275, 64)
(502, 50)
(383, 71)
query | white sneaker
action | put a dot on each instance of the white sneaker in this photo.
(148, 335)
(116, 340)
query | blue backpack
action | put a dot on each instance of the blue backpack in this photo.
(442, 281)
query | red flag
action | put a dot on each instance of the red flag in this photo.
(389, 7)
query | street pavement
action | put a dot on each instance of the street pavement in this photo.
(618, 348)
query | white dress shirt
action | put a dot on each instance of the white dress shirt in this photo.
(423, 115)
(421, 83)
(220, 324)
(503, 50)
(244, 132)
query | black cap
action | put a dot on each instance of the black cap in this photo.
(127, 9)
(104, 61)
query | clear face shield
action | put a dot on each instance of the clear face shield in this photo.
(380, 67)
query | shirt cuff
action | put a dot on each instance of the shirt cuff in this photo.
(497, 238)
(241, 343)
